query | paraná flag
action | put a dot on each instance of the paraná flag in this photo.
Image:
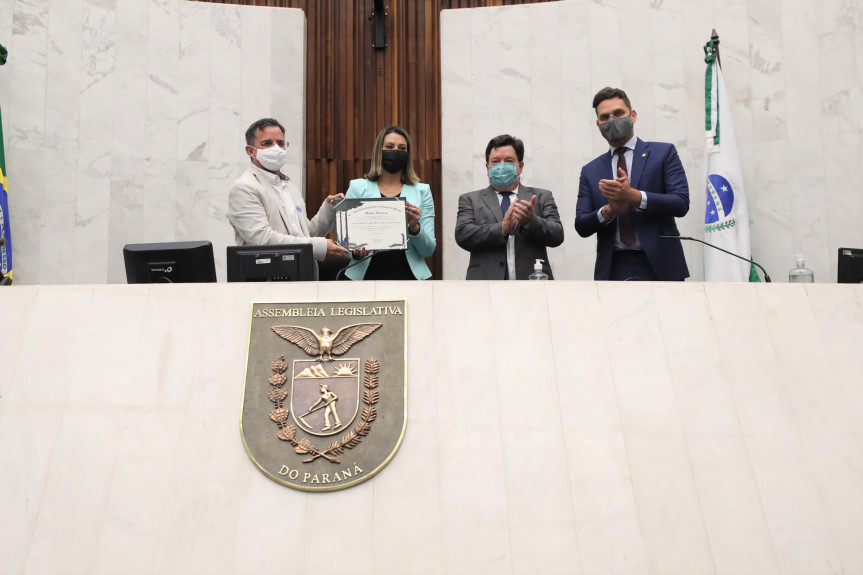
(726, 219)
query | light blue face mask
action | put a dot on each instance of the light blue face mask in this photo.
(503, 175)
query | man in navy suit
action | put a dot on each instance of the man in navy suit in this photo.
(629, 197)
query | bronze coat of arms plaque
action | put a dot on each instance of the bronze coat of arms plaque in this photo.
(325, 397)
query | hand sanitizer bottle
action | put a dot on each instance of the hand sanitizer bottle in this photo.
(537, 272)
(801, 274)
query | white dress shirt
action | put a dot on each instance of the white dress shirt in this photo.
(510, 240)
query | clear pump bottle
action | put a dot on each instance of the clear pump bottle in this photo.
(537, 274)
(801, 274)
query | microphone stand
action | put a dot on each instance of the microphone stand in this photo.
(766, 277)
(352, 264)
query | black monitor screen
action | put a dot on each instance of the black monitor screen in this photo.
(277, 263)
(169, 262)
(850, 269)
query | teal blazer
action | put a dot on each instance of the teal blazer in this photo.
(421, 245)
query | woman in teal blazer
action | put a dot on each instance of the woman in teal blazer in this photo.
(392, 175)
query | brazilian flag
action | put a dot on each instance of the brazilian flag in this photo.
(5, 232)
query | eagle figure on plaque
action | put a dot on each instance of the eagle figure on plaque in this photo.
(325, 344)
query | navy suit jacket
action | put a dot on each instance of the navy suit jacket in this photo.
(657, 171)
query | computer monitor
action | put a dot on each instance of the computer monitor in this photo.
(850, 269)
(169, 262)
(275, 263)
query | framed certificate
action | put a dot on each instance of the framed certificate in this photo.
(372, 223)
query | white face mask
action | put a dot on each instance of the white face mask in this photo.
(272, 158)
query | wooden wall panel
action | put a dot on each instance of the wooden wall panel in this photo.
(354, 90)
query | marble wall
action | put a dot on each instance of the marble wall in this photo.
(124, 123)
(123, 118)
(794, 70)
(686, 428)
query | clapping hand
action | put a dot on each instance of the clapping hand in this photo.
(619, 192)
(524, 210)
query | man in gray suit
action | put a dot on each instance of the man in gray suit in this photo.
(507, 226)
(265, 207)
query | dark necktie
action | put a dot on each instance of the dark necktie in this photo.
(504, 203)
(504, 206)
(624, 221)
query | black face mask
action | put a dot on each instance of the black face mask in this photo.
(394, 161)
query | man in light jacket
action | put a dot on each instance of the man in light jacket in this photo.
(265, 207)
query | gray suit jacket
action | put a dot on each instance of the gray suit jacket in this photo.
(257, 214)
(479, 230)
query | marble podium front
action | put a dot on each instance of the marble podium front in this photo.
(560, 427)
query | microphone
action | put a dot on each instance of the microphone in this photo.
(766, 277)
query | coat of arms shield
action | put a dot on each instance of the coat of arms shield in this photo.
(313, 418)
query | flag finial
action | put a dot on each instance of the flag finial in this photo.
(711, 49)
